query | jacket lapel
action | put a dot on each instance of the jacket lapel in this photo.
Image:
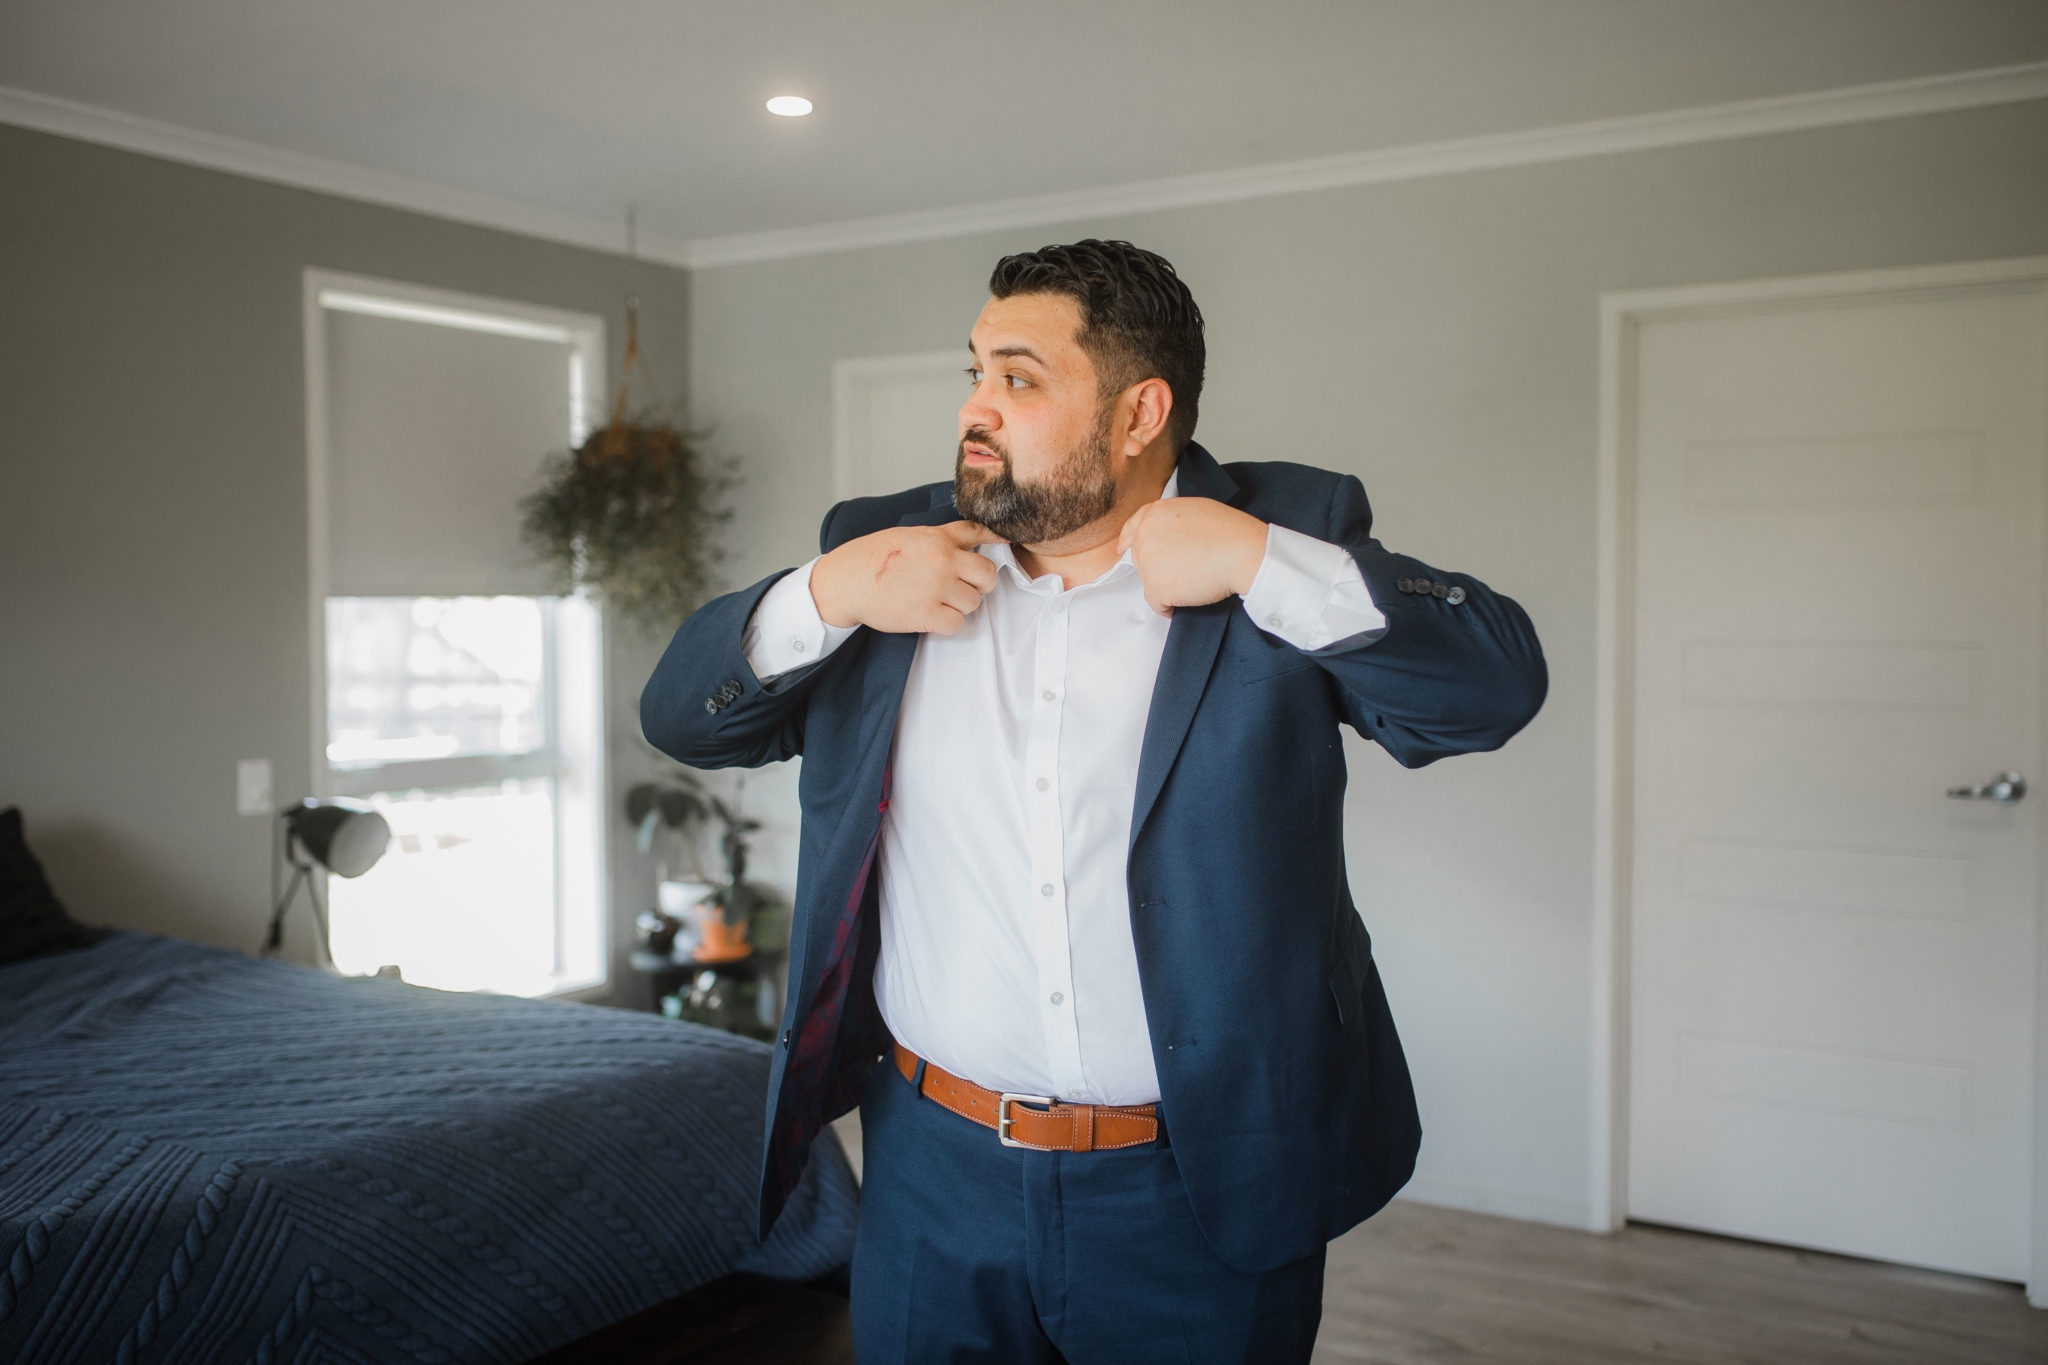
(1192, 642)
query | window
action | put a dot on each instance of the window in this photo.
(451, 693)
(463, 720)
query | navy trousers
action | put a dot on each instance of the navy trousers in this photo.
(968, 1250)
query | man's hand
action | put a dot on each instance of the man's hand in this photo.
(905, 579)
(1190, 551)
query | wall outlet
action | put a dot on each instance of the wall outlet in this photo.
(252, 787)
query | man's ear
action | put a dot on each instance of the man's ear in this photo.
(1144, 408)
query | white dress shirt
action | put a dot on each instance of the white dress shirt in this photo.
(1006, 948)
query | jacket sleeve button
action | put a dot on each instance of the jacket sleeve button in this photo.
(1405, 584)
(711, 705)
(1455, 596)
(1439, 590)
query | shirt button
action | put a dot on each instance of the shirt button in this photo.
(797, 645)
(1045, 890)
(1057, 997)
(1059, 606)
(1048, 694)
(1043, 784)
(1279, 621)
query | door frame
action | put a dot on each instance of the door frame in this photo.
(1622, 314)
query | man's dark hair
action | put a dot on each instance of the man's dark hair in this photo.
(1138, 320)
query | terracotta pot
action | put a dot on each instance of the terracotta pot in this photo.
(721, 942)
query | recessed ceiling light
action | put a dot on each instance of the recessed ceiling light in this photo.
(789, 106)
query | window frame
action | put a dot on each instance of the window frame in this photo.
(584, 333)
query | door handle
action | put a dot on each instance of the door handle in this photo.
(2006, 789)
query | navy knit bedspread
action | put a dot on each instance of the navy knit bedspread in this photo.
(210, 1157)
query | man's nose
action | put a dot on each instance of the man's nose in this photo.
(975, 413)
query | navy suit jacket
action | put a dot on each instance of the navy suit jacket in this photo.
(1281, 1077)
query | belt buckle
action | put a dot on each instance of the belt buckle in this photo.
(1004, 1118)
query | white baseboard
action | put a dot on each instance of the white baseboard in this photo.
(1532, 1208)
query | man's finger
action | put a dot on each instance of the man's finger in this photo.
(967, 533)
(1130, 529)
(961, 597)
(981, 572)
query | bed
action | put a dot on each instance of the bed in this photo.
(206, 1157)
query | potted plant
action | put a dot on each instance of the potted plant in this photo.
(679, 804)
(724, 912)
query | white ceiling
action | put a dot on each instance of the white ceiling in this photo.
(577, 110)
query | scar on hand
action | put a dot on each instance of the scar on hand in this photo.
(887, 560)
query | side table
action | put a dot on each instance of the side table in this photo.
(738, 996)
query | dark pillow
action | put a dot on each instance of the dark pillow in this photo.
(31, 921)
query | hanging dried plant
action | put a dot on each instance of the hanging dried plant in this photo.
(632, 513)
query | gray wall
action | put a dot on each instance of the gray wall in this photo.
(153, 612)
(1439, 339)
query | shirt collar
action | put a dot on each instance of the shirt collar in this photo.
(1003, 557)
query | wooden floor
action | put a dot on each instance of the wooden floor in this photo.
(1418, 1285)
(1426, 1286)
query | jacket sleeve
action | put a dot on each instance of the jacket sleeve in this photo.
(1453, 673)
(704, 706)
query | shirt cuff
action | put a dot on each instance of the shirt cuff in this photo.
(1310, 592)
(785, 632)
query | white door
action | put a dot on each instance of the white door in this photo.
(1838, 617)
(897, 420)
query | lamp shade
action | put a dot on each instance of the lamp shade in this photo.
(344, 840)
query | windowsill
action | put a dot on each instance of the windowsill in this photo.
(596, 991)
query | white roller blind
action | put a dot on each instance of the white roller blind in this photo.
(434, 434)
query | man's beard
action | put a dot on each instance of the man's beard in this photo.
(1081, 490)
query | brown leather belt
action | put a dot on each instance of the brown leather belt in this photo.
(1054, 1128)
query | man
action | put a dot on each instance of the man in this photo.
(1072, 925)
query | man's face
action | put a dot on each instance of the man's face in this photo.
(1034, 458)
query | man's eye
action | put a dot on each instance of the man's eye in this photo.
(1020, 378)
(973, 375)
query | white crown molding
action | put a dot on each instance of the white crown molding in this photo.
(1639, 132)
(108, 127)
